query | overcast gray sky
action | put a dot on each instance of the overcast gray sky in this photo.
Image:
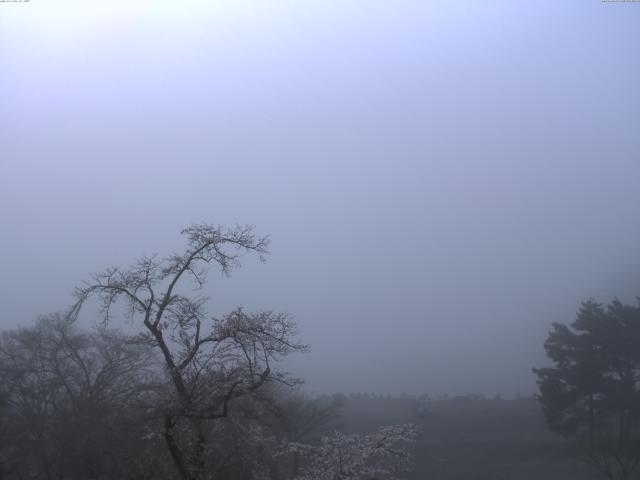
(440, 179)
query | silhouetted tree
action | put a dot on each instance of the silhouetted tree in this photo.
(592, 392)
(209, 362)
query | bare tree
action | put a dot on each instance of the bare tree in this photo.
(209, 361)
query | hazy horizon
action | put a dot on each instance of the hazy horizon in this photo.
(440, 180)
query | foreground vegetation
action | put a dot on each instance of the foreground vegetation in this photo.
(189, 396)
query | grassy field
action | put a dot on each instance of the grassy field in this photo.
(475, 440)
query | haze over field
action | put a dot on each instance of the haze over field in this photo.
(440, 180)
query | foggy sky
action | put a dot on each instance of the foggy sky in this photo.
(440, 180)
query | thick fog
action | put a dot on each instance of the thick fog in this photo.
(440, 180)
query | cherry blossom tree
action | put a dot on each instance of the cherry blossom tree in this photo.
(384, 454)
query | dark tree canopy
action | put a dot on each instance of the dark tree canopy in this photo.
(593, 390)
(71, 402)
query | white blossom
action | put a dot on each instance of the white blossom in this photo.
(380, 455)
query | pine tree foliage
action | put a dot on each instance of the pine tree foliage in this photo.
(592, 393)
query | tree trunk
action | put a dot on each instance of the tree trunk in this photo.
(198, 451)
(176, 454)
